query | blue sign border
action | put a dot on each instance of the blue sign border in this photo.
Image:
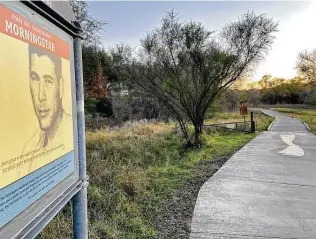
(23, 193)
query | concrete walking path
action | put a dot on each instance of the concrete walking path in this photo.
(266, 190)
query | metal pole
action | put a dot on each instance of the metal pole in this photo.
(245, 123)
(252, 122)
(80, 200)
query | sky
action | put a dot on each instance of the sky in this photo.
(129, 21)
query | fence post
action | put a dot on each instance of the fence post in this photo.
(253, 125)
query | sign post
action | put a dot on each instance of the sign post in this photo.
(243, 111)
(252, 122)
(80, 201)
(42, 139)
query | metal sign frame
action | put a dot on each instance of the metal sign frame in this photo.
(32, 220)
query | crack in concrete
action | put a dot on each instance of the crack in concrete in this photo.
(272, 182)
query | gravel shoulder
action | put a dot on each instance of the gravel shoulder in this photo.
(175, 220)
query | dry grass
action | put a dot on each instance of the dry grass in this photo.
(133, 173)
(262, 121)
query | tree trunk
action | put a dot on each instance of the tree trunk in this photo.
(197, 136)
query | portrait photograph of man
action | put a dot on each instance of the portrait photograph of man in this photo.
(46, 89)
(37, 124)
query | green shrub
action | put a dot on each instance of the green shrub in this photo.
(90, 106)
(104, 107)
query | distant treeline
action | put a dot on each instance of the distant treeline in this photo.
(271, 90)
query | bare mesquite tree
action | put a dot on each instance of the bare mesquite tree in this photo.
(91, 26)
(185, 66)
(307, 65)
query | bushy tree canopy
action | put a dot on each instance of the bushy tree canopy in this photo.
(186, 66)
(307, 65)
(91, 26)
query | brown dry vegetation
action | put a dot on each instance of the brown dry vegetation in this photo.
(143, 182)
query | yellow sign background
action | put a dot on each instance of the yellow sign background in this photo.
(18, 121)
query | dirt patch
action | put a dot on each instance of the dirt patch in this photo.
(174, 221)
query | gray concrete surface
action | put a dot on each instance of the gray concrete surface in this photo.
(260, 192)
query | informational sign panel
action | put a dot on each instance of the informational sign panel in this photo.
(37, 119)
